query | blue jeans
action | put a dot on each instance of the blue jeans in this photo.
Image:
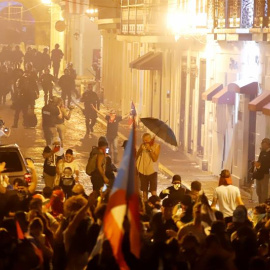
(113, 144)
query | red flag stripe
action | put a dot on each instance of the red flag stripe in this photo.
(113, 226)
(135, 225)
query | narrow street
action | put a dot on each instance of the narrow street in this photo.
(32, 143)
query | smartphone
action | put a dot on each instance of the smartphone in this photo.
(104, 188)
(107, 150)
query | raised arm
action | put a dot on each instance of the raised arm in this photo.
(100, 159)
(33, 185)
(2, 168)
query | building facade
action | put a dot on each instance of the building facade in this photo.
(202, 67)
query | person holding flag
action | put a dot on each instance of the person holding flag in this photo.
(123, 209)
(146, 162)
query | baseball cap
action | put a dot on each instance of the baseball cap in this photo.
(176, 177)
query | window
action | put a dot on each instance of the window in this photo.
(13, 162)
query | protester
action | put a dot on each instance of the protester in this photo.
(4, 132)
(112, 120)
(52, 154)
(60, 121)
(98, 176)
(175, 192)
(146, 163)
(162, 224)
(68, 172)
(262, 175)
(194, 193)
(226, 196)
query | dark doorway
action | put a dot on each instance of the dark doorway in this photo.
(251, 141)
(190, 106)
(201, 107)
(183, 102)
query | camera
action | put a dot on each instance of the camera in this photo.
(6, 129)
(107, 150)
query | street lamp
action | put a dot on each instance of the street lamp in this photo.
(184, 22)
(46, 2)
(92, 13)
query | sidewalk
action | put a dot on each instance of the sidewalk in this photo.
(177, 162)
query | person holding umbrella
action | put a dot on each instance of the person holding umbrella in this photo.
(146, 163)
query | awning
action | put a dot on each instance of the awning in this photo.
(224, 96)
(247, 86)
(148, 61)
(211, 91)
(259, 102)
(266, 109)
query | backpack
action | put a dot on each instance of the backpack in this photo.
(92, 161)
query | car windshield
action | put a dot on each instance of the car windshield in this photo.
(13, 163)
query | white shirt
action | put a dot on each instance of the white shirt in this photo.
(226, 199)
(73, 165)
(145, 164)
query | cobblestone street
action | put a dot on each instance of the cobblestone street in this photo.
(31, 142)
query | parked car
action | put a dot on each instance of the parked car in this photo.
(16, 165)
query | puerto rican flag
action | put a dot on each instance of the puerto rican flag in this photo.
(76, 6)
(124, 203)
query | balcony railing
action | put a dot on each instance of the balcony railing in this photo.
(142, 17)
(238, 14)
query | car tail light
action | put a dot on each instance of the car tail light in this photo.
(28, 177)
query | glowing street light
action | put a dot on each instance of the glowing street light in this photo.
(46, 2)
(184, 22)
(91, 11)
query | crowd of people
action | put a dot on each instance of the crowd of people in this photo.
(59, 227)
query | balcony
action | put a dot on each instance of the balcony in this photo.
(234, 20)
(139, 17)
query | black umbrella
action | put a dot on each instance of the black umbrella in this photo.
(161, 129)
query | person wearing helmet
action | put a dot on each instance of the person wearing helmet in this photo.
(56, 57)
